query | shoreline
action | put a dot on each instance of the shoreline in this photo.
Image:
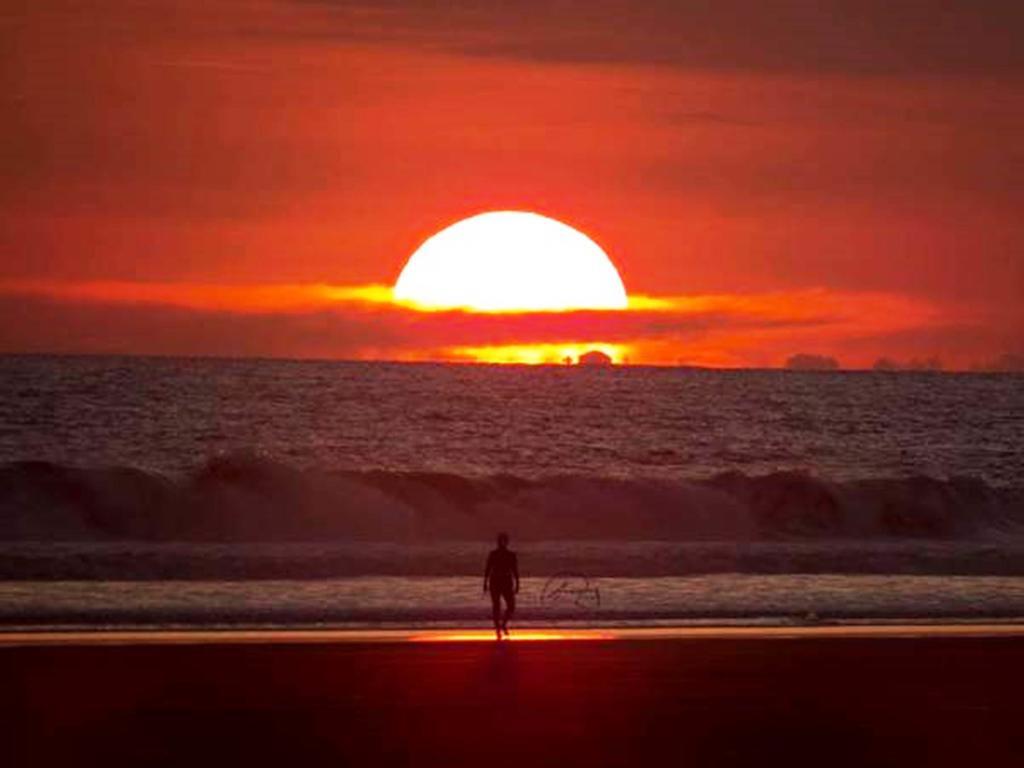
(205, 636)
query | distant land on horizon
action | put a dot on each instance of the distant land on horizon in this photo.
(801, 362)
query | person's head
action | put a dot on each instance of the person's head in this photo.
(502, 541)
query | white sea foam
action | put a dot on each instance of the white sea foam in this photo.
(424, 601)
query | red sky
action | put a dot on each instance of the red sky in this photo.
(838, 178)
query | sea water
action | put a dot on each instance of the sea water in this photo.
(196, 491)
(169, 414)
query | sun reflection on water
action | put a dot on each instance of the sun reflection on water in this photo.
(527, 635)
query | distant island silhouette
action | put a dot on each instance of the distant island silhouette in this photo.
(594, 357)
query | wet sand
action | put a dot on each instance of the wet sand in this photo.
(861, 696)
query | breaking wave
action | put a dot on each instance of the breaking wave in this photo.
(248, 498)
(245, 516)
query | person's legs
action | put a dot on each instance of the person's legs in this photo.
(496, 610)
(510, 608)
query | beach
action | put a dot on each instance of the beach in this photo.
(896, 695)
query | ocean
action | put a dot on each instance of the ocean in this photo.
(156, 491)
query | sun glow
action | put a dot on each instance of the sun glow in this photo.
(510, 261)
(538, 354)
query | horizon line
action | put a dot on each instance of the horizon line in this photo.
(482, 363)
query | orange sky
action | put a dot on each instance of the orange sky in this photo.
(835, 178)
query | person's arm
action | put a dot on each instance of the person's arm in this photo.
(515, 570)
(487, 572)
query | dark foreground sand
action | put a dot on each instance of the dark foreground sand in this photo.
(868, 698)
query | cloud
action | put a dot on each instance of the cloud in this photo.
(32, 324)
(362, 322)
(842, 36)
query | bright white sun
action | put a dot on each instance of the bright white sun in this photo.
(510, 261)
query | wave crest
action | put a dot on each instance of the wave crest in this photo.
(246, 497)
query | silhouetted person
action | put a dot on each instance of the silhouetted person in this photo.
(501, 577)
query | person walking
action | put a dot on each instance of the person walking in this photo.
(501, 579)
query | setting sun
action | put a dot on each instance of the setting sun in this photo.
(510, 261)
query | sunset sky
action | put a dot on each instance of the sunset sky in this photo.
(838, 177)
